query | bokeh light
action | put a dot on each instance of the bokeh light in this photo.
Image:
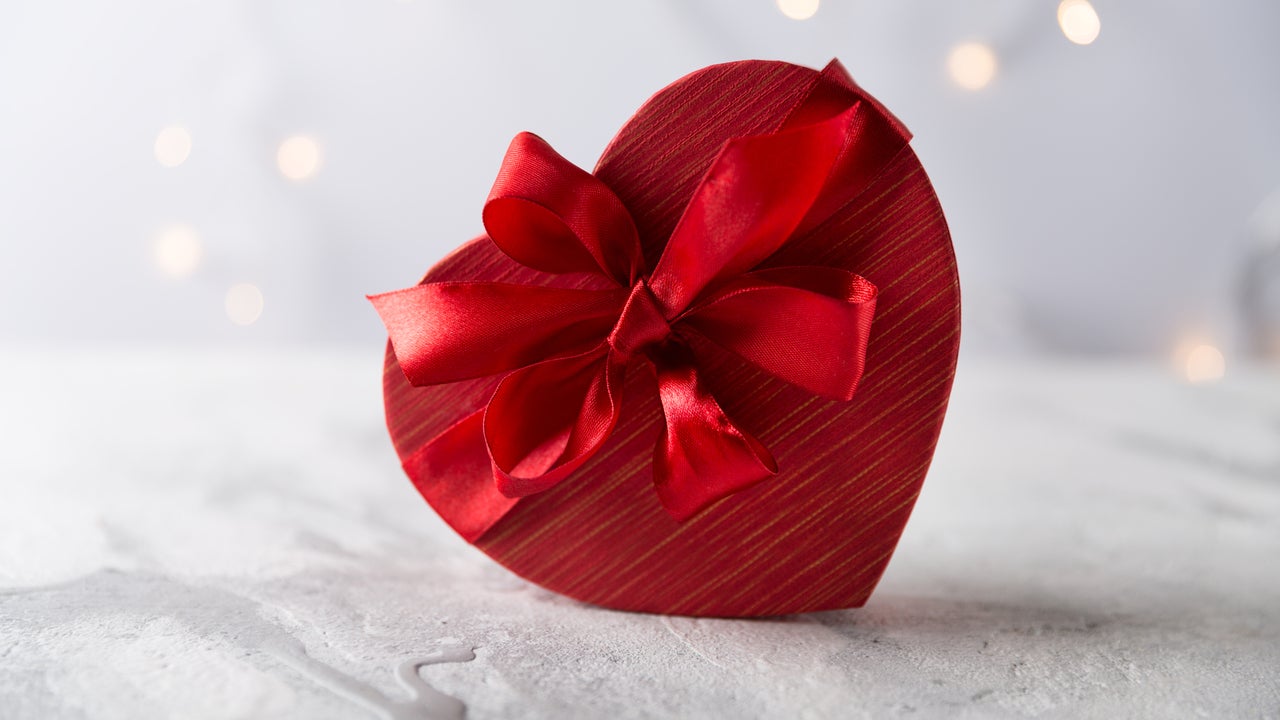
(798, 9)
(177, 250)
(172, 146)
(1079, 21)
(972, 65)
(244, 303)
(298, 157)
(1204, 364)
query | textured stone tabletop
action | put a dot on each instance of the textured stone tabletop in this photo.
(230, 536)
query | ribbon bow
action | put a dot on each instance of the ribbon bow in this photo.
(565, 352)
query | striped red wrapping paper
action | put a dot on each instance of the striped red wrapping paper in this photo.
(818, 534)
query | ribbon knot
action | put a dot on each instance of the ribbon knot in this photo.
(563, 354)
(641, 323)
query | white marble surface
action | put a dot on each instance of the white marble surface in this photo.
(229, 536)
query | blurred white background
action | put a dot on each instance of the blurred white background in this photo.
(243, 172)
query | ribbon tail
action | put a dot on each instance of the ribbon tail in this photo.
(453, 474)
(448, 331)
(875, 138)
(757, 190)
(702, 456)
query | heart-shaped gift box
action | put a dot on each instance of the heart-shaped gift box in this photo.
(639, 413)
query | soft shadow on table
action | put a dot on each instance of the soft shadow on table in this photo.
(981, 644)
(928, 618)
(1097, 620)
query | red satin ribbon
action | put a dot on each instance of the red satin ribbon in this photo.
(565, 352)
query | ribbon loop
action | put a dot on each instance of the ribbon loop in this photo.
(702, 455)
(808, 326)
(546, 419)
(548, 214)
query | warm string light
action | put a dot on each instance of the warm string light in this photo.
(798, 9)
(172, 146)
(177, 250)
(244, 303)
(298, 157)
(1204, 364)
(1079, 21)
(972, 65)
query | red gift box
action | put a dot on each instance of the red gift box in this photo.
(706, 378)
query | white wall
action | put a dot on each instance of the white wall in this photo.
(1100, 196)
